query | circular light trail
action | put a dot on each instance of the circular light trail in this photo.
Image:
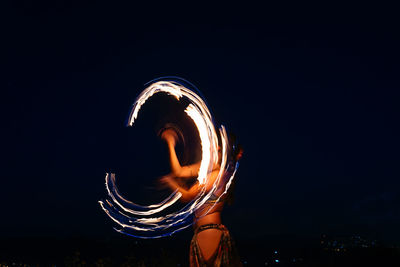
(146, 221)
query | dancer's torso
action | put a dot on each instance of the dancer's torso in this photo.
(209, 213)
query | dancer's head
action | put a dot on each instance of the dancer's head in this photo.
(236, 148)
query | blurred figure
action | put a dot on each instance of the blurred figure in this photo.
(212, 244)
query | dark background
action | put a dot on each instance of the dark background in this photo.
(311, 92)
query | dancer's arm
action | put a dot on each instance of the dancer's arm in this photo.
(191, 193)
(176, 169)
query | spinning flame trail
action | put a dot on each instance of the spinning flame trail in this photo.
(133, 219)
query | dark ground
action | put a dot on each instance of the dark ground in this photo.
(124, 251)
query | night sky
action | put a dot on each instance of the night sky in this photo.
(311, 93)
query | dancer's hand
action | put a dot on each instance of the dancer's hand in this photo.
(169, 136)
(165, 182)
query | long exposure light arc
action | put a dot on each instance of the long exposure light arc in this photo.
(133, 219)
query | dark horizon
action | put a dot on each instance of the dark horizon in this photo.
(320, 132)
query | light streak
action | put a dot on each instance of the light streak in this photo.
(205, 142)
(133, 219)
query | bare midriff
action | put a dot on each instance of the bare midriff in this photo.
(213, 216)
